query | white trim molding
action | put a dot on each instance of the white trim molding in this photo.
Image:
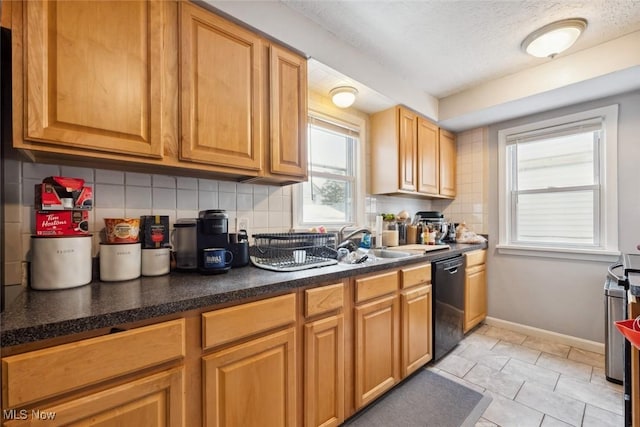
(576, 342)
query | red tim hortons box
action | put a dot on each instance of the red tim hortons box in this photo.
(62, 223)
(62, 193)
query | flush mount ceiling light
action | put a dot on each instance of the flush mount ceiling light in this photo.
(343, 96)
(550, 40)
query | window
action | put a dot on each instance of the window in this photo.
(332, 195)
(558, 182)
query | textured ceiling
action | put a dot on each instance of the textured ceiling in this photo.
(446, 46)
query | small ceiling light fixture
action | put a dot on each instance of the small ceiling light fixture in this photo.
(343, 96)
(550, 40)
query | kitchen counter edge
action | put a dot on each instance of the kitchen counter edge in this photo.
(41, 315)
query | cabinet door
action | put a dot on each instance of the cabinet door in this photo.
(324, 372)
(377, 349)
(288, 85)
(407, 149)
(416, 329)
(93, 75)
(475, 301)
(220, 84)
(252, 384)
(447, 163)
(153, 401)
(428, 157)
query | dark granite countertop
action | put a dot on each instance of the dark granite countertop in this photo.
(38, 315)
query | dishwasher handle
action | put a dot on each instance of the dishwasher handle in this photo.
(452, 269)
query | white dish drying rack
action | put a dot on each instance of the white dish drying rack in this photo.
(275, 251)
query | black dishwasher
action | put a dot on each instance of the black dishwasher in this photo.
(448, 311)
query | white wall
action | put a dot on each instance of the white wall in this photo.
(565, 296)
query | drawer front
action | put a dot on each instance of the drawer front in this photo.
(323, 299)
(476, 257)
(415, 275)
(40, 374)
(375, 286)
(233, 323)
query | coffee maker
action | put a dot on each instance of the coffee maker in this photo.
(212, 232)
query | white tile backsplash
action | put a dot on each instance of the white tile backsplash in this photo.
(39, 170)
(227, 187)
(137, 197)
(138, 179)
(78, 172)
(164, 198)
(164, 181)
(109, 176)
(207, 200)
(187, 200)
(187, 183)
(207, 185)
(108, 196)
(227, 201)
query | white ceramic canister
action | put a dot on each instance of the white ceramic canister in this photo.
(60, 262)
(119, 261)
(156, 261)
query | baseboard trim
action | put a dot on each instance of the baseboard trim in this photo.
(580, 343)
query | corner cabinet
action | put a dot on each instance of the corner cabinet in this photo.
(475, 288)
(93, 76)
(411, 155)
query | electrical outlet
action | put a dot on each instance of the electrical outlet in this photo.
(242, 223)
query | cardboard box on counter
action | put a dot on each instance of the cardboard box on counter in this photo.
(62, 193)
(154, 231)
(62, 223)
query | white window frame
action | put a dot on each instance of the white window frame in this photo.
(607, 250)
(348, 121)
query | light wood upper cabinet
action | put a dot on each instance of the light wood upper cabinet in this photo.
(407, 141)
(220, 91)
(448, 155)
(411, 156)
(156, 83)
(92, 76)
(288, 113)
(428, 157)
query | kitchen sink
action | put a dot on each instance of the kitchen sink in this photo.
(387, 253)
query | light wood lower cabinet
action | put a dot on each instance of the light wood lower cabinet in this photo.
(377, 349)
(475, 289)
(324, 356)
(324, 372)
(417, 347)
(252, 384)
(153, 401)
(102, 381)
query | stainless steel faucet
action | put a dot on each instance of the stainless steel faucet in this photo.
(343, 240)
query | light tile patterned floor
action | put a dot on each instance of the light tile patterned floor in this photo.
(534, 382)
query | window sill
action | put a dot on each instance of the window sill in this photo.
(559, 253)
